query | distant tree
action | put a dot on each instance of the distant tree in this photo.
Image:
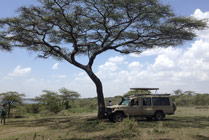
(66, 29)
(50, 100)
(189, 92)
(178, 92)
(67, 95)
(11, 98)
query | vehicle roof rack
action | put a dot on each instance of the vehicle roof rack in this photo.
(135, 89)
(152, 94)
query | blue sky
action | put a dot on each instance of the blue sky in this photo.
(185, 67)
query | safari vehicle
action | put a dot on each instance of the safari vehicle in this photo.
(150, 106)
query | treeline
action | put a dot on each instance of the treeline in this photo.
(62, 102)
(66, 101)
(191, 100)
(49, 102)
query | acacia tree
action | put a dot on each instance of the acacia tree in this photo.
(10, 98)
(51, 100)
(66, 29)
(178, 92)
(67, 95)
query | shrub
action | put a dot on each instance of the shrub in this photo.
(129, 128)
(32, 108)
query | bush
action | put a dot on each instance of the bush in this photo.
(192, 100)
(130, 128)
(18, 112)
(33, 108)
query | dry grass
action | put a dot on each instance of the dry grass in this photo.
(188, 123)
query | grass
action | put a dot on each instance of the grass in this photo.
(189, 123)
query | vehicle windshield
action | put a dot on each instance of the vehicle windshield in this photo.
(125, 101)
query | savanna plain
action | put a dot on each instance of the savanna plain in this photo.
(188, 123)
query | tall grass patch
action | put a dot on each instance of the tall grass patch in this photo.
(129, 128)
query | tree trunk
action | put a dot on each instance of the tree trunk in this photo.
(100, 96)
(9, 107)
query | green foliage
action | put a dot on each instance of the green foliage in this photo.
(54, 102)
(178, 92)
(33, 108)
(11, 98)
(159, 128)
(192, 100)
(84, 105)
(67, 95)
(129, 128)
(132, 25)
(51, 101)
(18, 112)
(201, 99)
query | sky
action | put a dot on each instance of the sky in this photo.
(183, 67)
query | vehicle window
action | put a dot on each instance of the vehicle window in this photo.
(147, 101)
(156, 101)
(160, 101)
(165, 101)
(134, 102)
(125, 101)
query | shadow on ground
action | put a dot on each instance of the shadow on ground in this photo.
(92, 125)
(201, 137)
(86, 124)
(178, 122)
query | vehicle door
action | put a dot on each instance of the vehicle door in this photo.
(147, 106)
(135, 107)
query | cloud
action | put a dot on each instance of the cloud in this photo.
(109, 68)
(117, 59)
(18, 71)
(135, 65)
(112, 64)
(59, 76)
(198, 14)
(158, 51)
(55, 66)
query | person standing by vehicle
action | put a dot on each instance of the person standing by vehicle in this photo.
(110, 103)
(3, 113)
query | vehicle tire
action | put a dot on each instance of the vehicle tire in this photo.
(159, 116)
(118, 117)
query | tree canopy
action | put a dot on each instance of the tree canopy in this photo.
(67, 95)
(65, 29)
(50, 100)
(54, 101)
(10, 98)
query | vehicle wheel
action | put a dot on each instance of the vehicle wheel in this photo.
(118, 117)
(159, 116)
